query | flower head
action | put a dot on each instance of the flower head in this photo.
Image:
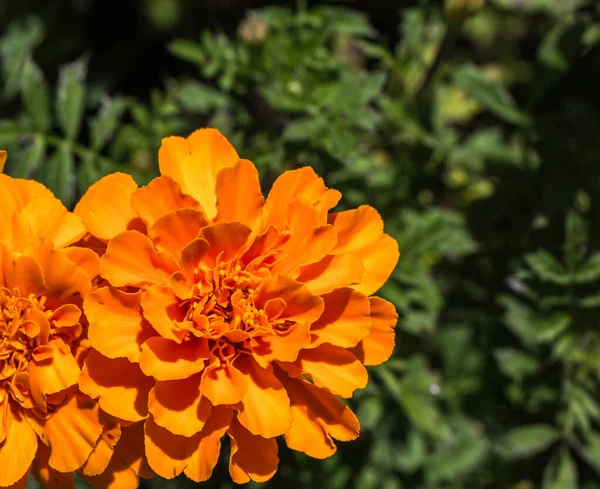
(230, 314)
(47, 426)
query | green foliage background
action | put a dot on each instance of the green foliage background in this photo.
(479, 143)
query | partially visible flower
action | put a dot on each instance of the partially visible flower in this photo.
(47, 426)
(229, 314)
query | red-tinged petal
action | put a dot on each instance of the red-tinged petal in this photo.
(345, 321)
(226, 239)
(161, 308)
(19, 448)
(193, 253)
(309, 241)
(318, 416)
(100, 457)
(252, 457)
(302, 183)
(54, 374)
(265, 406)
(46, 475)
(378, 346)
(72, 432)
(239, 197)
(119, 385)
(195, 162)
(62, 277)
(117, 326)
(21, 272)
(50, 220)
(161, 196)
(360, 233)
(166, 359)
(332, 272)
(131, 259)
(301, 304)
(174, 231)
(202, 462)
(281, 346)
(332, 368)
(223, 384)
(105, 209)
(84, 258)
(178, 406)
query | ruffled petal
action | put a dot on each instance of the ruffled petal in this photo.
(117, 327)
(19, 448)
(16, 231)
(265, 406)
(174, 231)
(195, 162)
(345, 321)
(22, 273)
(131, 259)
(378, 346)
(100, 457)
(46, 475)
(282, 346)
(301, 304)
(105, 209)
(119, 385)
(84, 258)
(223, 384)
(161, 196)
(178, 406)
(239, 197)
(332, 272)
(252, 457)
(360, 233)
(332, 368)
(166, 359)
(17, 193)
(226, 239)
(162, 310)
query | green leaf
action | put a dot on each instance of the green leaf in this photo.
(591, 451)
(412, 454)
(590, 270)
(103, 126)
(60, 176)
(455, 461)
(548, 268)
(200, 98)
(187, 50)
(561, 472)
(34, 93)
(527, 440)
(70, 99)
(515, 363)
(490, 94)
(32, 158)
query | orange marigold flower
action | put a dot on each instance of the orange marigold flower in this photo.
(230, 314)
(47, 426)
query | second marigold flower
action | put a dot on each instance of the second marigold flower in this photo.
(224, 313)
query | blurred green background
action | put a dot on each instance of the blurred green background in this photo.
(474, 129)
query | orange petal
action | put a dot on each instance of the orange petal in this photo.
(174, 231)
(117, 327)
(131, 259)
(120, 386)
(202, 462)
(332, 272)
(345, 321)
(360, 233)
(105, 209)
(379, 345)
(266, 406)
(301, 305)
(65, 316)
(16, 231)
(162, 310)
(282, 346)
(165, 359)
(223, 384)
(63, 278)
(252, 457)
(46, 475)
(84, 258)
(302, 183)
(160, 197)
(3, 157)
(56, 373)
(72, 432)
(239, 197)
(21, 272)
(100, 457)
(16, 193)
(309, 241)
(178, 406)
(332, 368)
(318, 416)
(193, 253)
(195, 162)
(50, 220)
(18, 450)
(227, 238)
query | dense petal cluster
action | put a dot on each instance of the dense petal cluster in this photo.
(223, 313)
(47, 426)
